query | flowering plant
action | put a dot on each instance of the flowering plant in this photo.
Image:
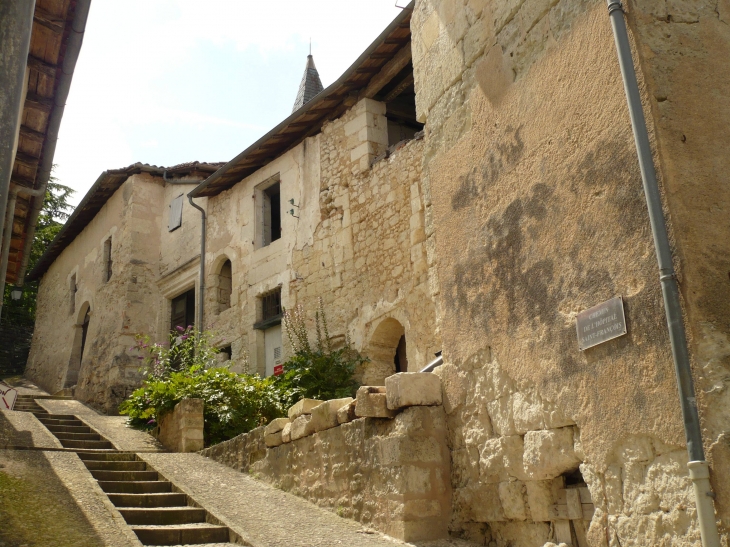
(187, 348)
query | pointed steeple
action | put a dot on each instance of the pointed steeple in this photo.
(310, 86)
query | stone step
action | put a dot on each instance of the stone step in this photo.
(181, 534)
(124, 475)
(163, 516)
(53, 421)
(68, 428)
(166, 499)
(107, 456)
(135, 487)
(65, 436)
(86, 444)
(61, 417)
(101, 465)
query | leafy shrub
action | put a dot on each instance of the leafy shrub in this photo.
(187, 369)
(317, 371)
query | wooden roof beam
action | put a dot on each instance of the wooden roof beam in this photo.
(387, 73)
(42, 66)
(36, 102)
(32, 134)
(400, 88)
(26, 160)
(52, 22)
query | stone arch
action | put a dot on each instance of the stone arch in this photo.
(81, 329)
(383, 351)
(223, 283)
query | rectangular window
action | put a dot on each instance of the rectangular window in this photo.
(268, 212)
(176, 206)
(271, 305)
(107, 260)
(182, 310)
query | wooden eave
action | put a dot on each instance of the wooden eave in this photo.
(49, 36)
(393, 45)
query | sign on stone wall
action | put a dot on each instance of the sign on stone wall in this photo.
(8, 395)
(601, 323)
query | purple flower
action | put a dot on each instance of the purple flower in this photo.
(180, 329)
(152, 421)
(184, 337)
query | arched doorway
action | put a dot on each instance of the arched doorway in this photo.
(387, 352)
(79, 344)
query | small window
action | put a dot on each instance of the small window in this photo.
(225, 286)
(271, 214)
(73, 289)
(271, 305)
(107, 260)
(175, 213)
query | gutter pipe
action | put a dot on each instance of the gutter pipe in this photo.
(75, 39)
(201, 282)
(7, 233)
(16, 23)
(698, 467)
(433, 365)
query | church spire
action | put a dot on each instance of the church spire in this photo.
(310, 86)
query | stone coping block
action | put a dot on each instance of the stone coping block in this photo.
(412, 389)
(276, 425)
(273, 439)
(182, 429)
(304, 406)
(286, 433)
(324, 416)
(372, 403)
(301, 427)
(346, 414)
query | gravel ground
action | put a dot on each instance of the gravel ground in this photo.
(24, 429)
(262, 515)
(113, 428)
(50, 499)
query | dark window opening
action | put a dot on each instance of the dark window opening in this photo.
(107, 260)
(400, 359)
(399, 96)
(271, 214)
(74, 289)
(271, 305)
(226, 352)
(182, 313)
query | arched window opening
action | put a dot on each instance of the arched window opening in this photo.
(387, 353)
(225, 286)
(79, 344)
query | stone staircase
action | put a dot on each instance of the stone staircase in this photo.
(151, 506)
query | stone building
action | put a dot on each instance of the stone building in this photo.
(517, 206)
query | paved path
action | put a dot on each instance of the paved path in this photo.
(23, 430)
(262, 515)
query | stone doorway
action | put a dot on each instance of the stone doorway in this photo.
(77, 350)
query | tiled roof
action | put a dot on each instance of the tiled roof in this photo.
(104, 187)
(311, 85)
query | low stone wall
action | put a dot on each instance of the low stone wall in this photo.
(182, 429)
(391, 473)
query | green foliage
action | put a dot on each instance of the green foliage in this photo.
(317, 371)
(54, 213)
(187, 369)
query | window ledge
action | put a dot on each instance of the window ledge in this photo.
(270, 322)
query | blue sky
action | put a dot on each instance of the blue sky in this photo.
(169, 81)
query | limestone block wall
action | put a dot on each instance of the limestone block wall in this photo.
(118, 306)
(534, 212)
(392, 474)
(367, 257)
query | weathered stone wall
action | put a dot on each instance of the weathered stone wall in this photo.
(181, 430)
(534, 212)
(119, 307)
(391, 474)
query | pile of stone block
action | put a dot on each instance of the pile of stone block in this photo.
(309, 416)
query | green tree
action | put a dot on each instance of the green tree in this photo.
(56, 210)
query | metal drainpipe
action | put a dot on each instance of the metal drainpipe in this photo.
(73, 47)
(698, 467)
(8, 231)
(201, 292)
